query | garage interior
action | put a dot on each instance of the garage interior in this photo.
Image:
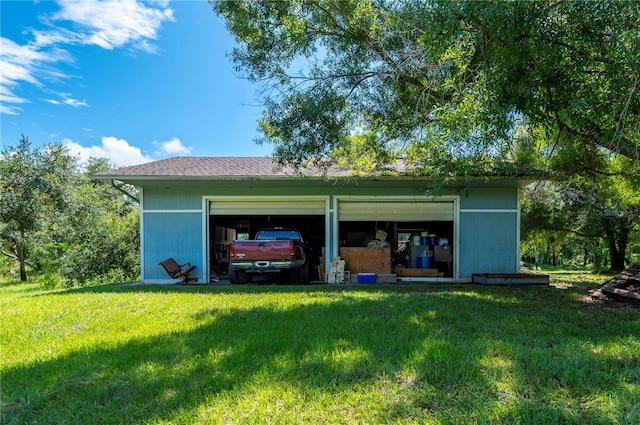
(401, 238)
(408, 242)
(225, 228)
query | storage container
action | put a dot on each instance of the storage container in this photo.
(366, 278)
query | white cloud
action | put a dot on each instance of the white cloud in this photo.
(65, 100)
(18, 61)
(25, 64)
(75, 102)
(118, 151)
(109, 24)
(173, 147)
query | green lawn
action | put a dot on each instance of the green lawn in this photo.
(317, 355)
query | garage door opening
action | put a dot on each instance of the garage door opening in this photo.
(419, 235)
(408, 242)
(243, 224)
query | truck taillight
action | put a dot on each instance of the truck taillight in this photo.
(232, 250)
(292, 249)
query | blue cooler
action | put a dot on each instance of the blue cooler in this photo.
(366, 278)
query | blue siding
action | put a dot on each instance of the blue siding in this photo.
(498, 198)
(172, 199)
(177, 235)
(488, 243)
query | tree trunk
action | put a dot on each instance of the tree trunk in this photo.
(617, 257)
(617, 241)
(20, 253)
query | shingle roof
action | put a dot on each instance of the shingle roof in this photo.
(205, 168)
(208, 167)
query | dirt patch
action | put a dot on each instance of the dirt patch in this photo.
(622, 291)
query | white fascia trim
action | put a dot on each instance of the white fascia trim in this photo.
(283, 198)
(404, 198)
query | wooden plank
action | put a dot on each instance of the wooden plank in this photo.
(367, 260)
(622, 293)
(510, 279)
(411, 272)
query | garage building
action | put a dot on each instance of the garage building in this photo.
(192, 207)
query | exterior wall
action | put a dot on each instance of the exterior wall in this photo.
(162, 199)
(171, 227)
(174, 221)
(489, 232)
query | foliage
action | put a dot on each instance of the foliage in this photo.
(330, 354)
(30, 178)
(441, 83)
(602, 204)
(74, 230)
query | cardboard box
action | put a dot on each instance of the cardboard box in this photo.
(367, 260)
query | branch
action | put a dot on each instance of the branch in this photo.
(10, 255)
(591, 132)
(371, 45)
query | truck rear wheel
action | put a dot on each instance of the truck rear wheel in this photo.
(233, 277)
(238, 276)
(294, 277)
(303, 273)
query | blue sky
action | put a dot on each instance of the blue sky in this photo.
(129, 81)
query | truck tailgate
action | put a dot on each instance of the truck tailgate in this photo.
(261, 250)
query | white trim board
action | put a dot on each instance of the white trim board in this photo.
(492, 211)
(172, 211)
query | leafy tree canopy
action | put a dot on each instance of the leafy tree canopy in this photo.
(595, 194)
(29, 178)
(54, 216)
(439, 82)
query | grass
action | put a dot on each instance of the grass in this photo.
(317, 354)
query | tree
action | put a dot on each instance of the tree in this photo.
(100, 230)
(439, 82)
(66, 224)
(600, 206)
(31, 179)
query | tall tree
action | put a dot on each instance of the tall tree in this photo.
(439, 82)
(593, 194)
(31, 179)
(100, 230)
(606, 210)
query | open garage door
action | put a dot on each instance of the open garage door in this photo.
(393, 210)
(250, 207)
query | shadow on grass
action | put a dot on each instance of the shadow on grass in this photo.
(448, 353)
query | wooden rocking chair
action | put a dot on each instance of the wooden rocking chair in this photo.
(176, 271)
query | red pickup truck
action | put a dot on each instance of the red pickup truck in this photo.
(273, 251)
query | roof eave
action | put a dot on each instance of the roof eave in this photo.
(459, 182)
